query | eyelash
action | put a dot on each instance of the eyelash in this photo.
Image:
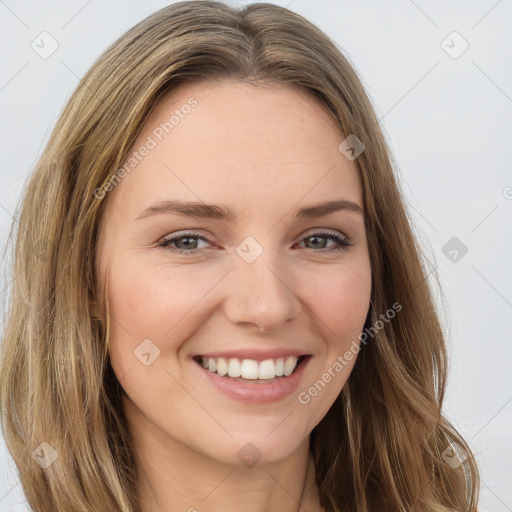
(342, 243)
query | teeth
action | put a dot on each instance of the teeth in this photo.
(234, 368)
(251, 369)
(267, 369)
(290, 365)
(222, 366)
(279, 367)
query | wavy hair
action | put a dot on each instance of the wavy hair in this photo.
(381, 445)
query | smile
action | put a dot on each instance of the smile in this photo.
(250, 380)
(250, 369)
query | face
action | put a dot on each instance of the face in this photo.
(254, 284)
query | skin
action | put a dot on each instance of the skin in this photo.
(264, 152)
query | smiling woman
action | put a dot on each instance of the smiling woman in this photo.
(232, 306)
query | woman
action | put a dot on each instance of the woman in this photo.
(227, 308)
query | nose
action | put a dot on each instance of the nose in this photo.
(261, 293)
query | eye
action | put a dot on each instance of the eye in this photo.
(184, 241)
(188, 243)
(342, 243)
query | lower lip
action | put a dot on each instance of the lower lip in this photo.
(256, 392)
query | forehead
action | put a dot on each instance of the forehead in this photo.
(238, 143)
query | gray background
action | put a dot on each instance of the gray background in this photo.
(449, 123)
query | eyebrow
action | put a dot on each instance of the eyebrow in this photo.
(225, 213)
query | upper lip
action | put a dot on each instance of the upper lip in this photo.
(257, 354)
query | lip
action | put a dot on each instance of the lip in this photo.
(256, 354)
(254, 392)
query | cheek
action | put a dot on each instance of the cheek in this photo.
(340, 297)
(153, 311)
(154, 302)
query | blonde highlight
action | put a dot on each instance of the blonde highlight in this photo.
(379, 447)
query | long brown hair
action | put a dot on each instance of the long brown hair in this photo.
(381, 446)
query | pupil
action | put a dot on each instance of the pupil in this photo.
(316, 238)
(187, 242)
